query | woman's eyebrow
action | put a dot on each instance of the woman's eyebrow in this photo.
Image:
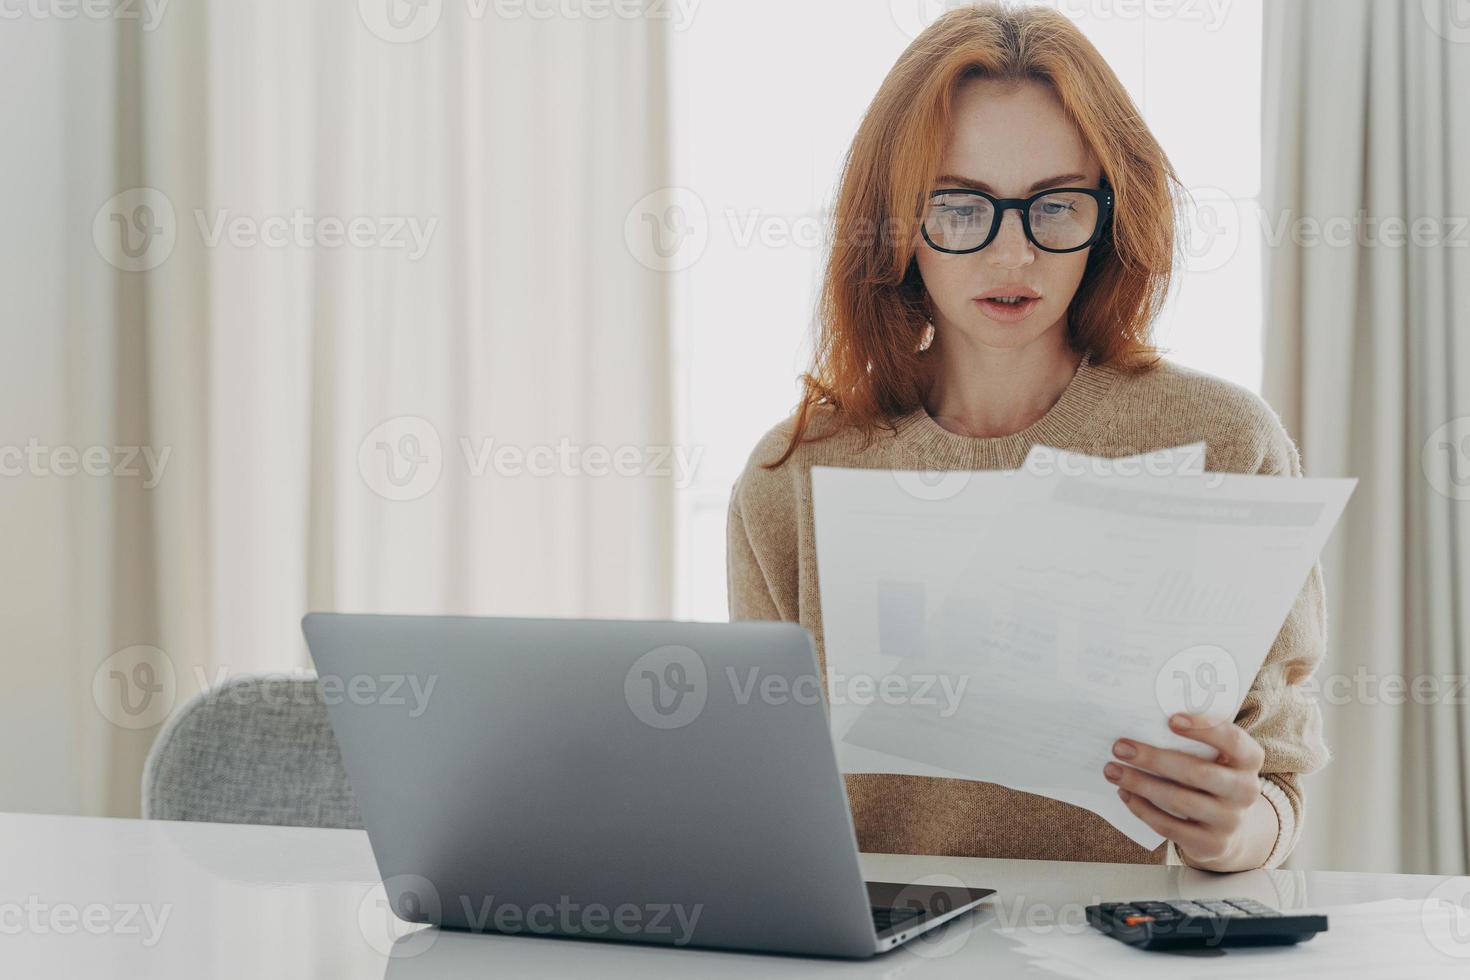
(953, 180)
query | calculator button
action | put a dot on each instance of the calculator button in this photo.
(1223, 908)
(1250, 907)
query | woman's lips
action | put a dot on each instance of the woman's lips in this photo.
(1007, 312)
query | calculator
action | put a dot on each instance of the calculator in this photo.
(1203, 923)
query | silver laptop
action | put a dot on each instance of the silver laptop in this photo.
(643, 781)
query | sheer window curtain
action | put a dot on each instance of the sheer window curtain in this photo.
(370, 289)
(1368, 360)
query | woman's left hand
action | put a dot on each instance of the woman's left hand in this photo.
(1223, 821)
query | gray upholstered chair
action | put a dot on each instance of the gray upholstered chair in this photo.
(256, 749)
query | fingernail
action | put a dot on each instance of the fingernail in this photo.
(1124, 750)
(1124, 795)
(1113, 771)
(1181, 721)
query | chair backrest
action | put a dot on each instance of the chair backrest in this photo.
(257, 749)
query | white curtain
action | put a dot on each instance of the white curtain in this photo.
(1368, 360)
(373, 298)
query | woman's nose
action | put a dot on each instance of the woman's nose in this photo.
(1011, 248)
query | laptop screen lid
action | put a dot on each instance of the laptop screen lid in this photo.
(649, 781)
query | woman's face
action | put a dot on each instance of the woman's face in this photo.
(1011, 140)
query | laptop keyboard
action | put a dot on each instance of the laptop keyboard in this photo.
(885, 918)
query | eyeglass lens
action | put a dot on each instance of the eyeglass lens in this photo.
(1059, 220)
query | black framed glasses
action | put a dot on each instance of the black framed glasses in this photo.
(960, 220)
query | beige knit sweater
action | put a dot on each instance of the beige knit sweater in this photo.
(772, 569)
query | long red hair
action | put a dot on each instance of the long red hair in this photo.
(873, 308)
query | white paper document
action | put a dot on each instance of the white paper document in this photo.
(1010, 625)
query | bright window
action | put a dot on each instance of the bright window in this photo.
(767, 96)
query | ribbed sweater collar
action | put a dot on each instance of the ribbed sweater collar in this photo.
(931, 444)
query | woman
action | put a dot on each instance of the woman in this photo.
(967, 315)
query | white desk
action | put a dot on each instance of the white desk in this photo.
(270, 902)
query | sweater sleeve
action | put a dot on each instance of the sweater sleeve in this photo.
(748, 590)
(1278, 711)
(762, 552)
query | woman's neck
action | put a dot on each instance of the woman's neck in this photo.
(988, 392)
